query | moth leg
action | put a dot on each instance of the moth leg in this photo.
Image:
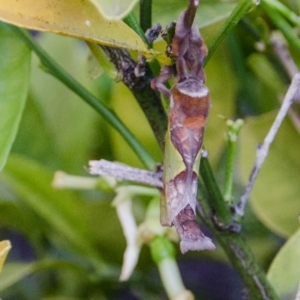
(181, 69)
(158, 82)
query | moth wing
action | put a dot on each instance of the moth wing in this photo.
(181, 191)
(173, 165)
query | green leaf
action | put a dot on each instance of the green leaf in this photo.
(14, 272)
(76, 18)
(99, 105)
(209, 11)
(114, 9)
(18, 218)
(264, 70)
(62, 116)
(14, 80)
(22, 219)
(60, 209)
(121, 150)
(222, 103)
(284, 272)
(275, 197)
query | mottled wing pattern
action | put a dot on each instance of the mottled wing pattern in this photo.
(181, 191)
(189, 108)
(187, 118)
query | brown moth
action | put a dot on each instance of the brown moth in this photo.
(189, 108)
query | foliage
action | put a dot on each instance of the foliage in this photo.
(69, 242)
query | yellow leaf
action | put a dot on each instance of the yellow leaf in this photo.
(114, 9)
(75, 18)
(4, 249)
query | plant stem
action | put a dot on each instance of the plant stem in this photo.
(131, 21)
(257, 285)
(262, 150)
(282, 24)
(121, 171)
(284, 10)
(148, 99)
(215, 198)
(57, 71)
(101, 58)
(239, 11)
(233, 243)
(145, 14)
(285, 57)
(151, 104)
(163, 253)
(233, 131)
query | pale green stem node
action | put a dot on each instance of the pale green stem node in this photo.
(163, 253)
(234, 128)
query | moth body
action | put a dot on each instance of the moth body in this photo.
(189, 108)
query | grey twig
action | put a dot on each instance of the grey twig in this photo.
(285, 57)
(262, 150)
(291, 68)
(121, 171)
(298, 294)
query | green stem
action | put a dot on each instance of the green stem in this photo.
(131, 21)
(163, 254)
(285, 11)
(239, 11)
(57, 71)
(149, 101)
(229, 172)
(215, 198)
(282, 24)
(145, 14)
(101, 58)
(238, 252)
(233, 131)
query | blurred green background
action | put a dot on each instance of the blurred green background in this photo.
(68, 244)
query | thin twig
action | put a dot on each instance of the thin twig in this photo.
(285, 57)
(289, 64)
(298, 294)
(291, 68)
(121, 171)
(262, 150)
